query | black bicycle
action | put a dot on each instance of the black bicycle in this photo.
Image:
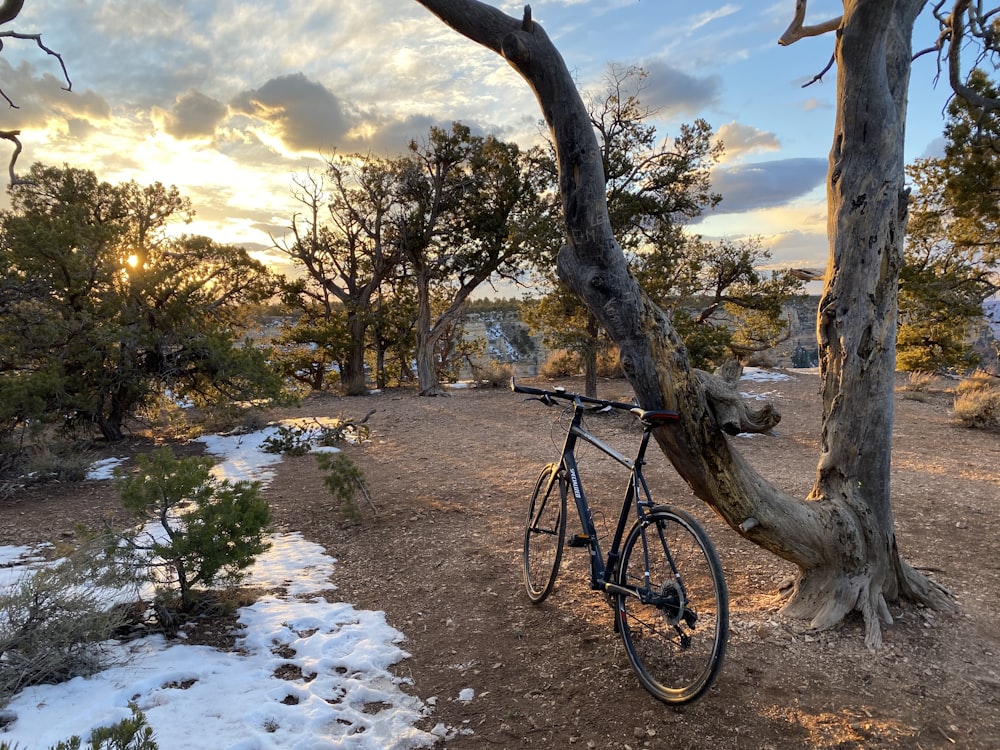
(662, 575)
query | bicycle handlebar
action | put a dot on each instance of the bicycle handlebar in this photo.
(548, 398)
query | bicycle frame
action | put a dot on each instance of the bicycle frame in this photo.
(637, 496)
(674, 632)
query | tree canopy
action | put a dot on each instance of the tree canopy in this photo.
(103, 309)
(953, 239)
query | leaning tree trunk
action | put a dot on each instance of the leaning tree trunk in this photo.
(841, 536)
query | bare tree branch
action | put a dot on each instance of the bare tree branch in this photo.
(966, 17)
(9, 10)
(12, 136)
(37, 38)
(819, 76)
(797, 30)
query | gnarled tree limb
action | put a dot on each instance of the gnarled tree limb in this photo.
(966, 16)
(12, 136)
(798, 30)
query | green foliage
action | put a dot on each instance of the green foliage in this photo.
(953, 240)
(708, 344)
(654, 188)
(54, 619)
(128, 734)
(214, 529)
(476, 208)
(102, 309)
(298, 439)
(344, 479)
(724, 304)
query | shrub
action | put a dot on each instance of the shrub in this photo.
(977, 401)
(61, 461)
(54, 620)
(214, 529)
(298, 440)
(128, 734)
(494, 374)
(561, 363)
(917, 385)
(609, 363)
(344, 479)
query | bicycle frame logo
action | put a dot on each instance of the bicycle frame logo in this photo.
(575, 482)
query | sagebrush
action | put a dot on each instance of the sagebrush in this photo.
(56, 620)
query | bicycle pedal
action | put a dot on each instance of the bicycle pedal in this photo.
(579, 540)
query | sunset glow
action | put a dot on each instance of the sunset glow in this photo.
(228, 100)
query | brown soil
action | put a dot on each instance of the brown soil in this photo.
(450, 477)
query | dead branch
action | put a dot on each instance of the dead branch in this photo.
(798, 30)
(12, 136)
(37, 39)
(968, 17)
(9, 10)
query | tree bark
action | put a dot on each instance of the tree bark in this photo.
(841, 536)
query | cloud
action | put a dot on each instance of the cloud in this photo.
(749, 186)
(740, 140)
(708, 16)
(303, 114)
(676, 91)
(41, 98)
(193, 115)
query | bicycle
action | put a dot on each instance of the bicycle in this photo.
(663, 577)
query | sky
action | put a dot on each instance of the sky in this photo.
(230, 100)
(194, 697)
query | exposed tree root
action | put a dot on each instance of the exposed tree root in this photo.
(825, 597)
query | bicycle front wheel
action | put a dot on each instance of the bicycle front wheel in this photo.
(545, 532)
(676, 624)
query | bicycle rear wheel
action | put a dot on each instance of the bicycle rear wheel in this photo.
(675, 630)
(544, 532)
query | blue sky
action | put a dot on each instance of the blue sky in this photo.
(229, 100)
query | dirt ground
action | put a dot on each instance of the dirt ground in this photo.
(450, 477)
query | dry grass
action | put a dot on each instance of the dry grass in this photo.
(977, 401)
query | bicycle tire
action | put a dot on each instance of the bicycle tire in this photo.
(676, 638)
(544, 533)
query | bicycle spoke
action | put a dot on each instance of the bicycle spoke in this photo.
(544, 533)
(675, 631)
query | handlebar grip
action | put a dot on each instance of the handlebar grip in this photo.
(514, 386)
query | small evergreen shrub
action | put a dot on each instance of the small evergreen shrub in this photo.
(344, 479)
(213, 529)
(128, 734)
(298, 440)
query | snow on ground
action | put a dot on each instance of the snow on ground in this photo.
(196, 697)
